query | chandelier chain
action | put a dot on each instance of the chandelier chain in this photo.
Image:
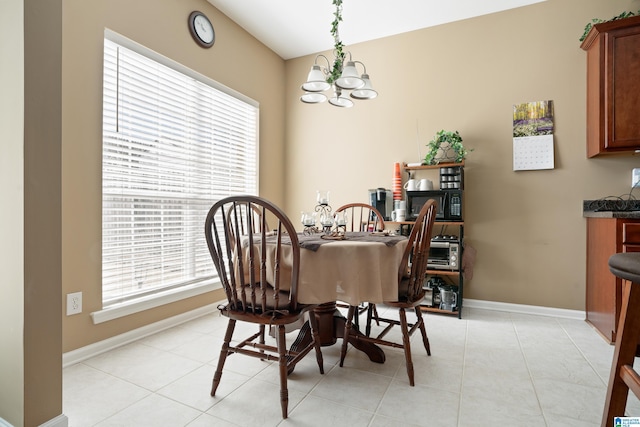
(338, 51)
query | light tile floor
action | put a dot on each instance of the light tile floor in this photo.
(488, 368)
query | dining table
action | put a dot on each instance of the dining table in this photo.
(351, 267)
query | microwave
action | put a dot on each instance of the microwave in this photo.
(449, 204)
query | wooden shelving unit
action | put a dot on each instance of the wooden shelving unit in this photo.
(438, 166)
(453, 275)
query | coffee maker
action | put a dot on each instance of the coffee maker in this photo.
(382, 200)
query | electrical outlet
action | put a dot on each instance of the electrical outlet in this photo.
(74, 303)
(635, 177)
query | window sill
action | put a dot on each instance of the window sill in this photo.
(135, 306)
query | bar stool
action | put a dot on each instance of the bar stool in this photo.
(623, 378)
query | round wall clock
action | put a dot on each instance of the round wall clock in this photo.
(201, 29)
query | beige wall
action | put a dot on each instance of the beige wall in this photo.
(527, 226)
(236, 60)
(11, 220)
(42, 210)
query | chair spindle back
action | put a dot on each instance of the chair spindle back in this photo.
(414, 261)
(362, 217)
(249, 257)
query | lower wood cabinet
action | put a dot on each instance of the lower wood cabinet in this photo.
(605, 237)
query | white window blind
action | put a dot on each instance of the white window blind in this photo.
(172, 145)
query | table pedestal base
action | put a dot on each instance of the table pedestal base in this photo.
(331, 324)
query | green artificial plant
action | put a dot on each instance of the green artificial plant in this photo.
(594, 21)
(336, 70)
(445, 146)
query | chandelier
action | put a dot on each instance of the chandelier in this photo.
(341, 76)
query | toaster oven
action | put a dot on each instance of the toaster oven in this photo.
(444, 255)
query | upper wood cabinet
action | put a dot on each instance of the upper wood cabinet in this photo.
(613, 87)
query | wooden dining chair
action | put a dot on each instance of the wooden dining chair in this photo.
(411, 275)
(362, 217)
(249, 265)
(623, 377)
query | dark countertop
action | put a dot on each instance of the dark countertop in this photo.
(611, 208)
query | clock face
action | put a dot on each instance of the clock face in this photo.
(201, 29)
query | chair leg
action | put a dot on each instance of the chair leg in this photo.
(224, 352)
(356, 318)
(624, 353)
(375, 314)
(347, 331)
(282, 361)
(313, 322)
(367, 330)
(262, 334)
(423, 331)
(372, 313)
(407, 345)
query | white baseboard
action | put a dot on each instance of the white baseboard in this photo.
(75, 356)
(59, 421)
(525, 309)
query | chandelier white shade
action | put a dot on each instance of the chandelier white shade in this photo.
(316, 81)
(349, 79)
(313, 97)
(366, 91)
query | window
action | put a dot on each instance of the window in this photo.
(174, 142)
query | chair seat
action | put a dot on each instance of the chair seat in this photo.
(403, 293)
(254, 313)
(626, 266)
(404, 301)
(277, 318)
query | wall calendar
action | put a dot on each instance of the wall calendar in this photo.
(533, 136)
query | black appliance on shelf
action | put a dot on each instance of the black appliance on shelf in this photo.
(382, 200)
(449, 204)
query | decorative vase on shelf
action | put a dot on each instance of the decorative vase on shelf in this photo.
(445, 154)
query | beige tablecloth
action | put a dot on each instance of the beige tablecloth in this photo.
(350, 270)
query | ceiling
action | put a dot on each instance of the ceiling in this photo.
(294, 28)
